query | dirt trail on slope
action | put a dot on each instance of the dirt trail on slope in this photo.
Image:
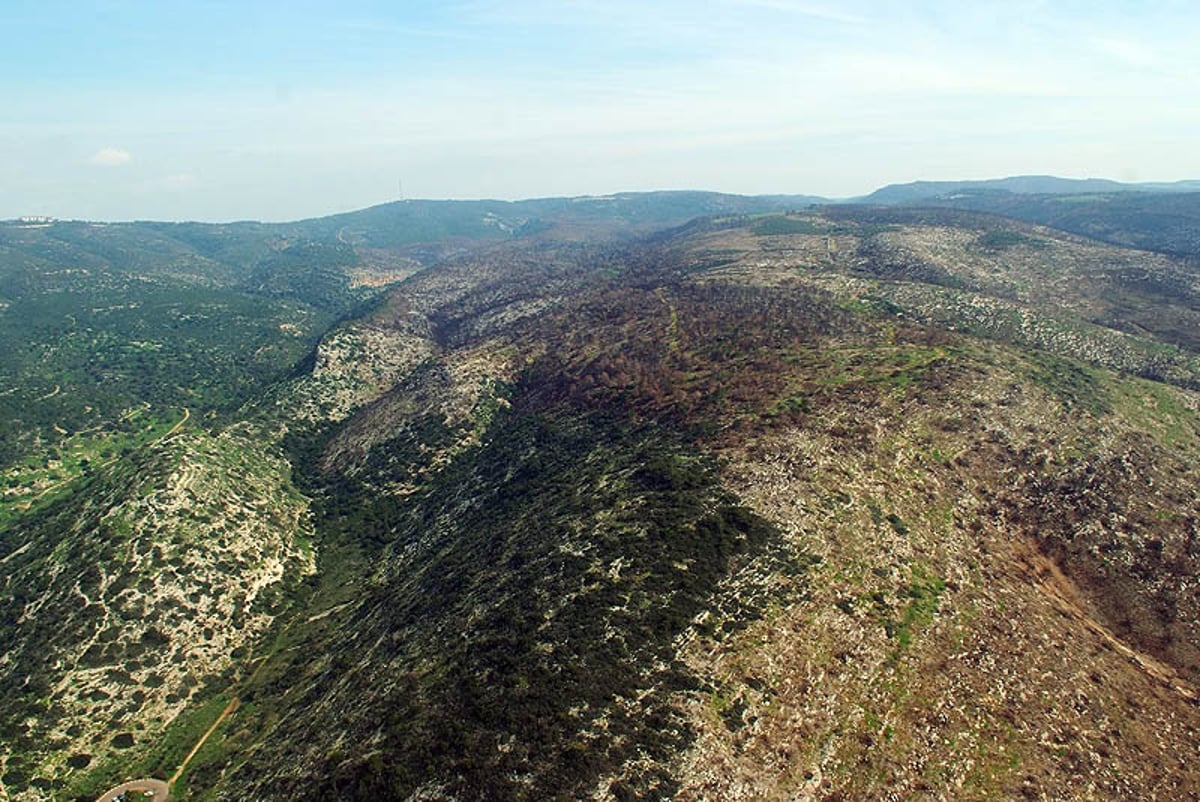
(226, 713)
(1061, 591)
(229, 708)
(186, 414)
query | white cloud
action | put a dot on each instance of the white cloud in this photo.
(179, 181)
(806, 10)
(111, 157)
(1126, 51)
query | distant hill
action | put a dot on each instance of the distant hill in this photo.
(408, 222)
(1167, 222)
(1021, 185)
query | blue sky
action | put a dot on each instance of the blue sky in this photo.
(274, 111)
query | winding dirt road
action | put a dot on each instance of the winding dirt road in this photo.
(186, 414)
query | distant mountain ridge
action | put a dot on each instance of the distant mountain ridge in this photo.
(408, 221)
(405, 222)
(1020, 185)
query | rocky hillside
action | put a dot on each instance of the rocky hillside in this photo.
(759, 511)
(128, 601)
(853, 504)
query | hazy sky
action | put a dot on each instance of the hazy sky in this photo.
(277, 110)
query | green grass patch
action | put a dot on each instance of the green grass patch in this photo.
(782, 225)
(897, 367)
(794, 403)
(1075, 385)
(870, 306)
(39, 479)
(924, 592)
(1156, 409)
(1001, 240)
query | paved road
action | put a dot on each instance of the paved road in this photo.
(134, 791)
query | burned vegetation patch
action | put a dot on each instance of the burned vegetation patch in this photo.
(686, 354)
